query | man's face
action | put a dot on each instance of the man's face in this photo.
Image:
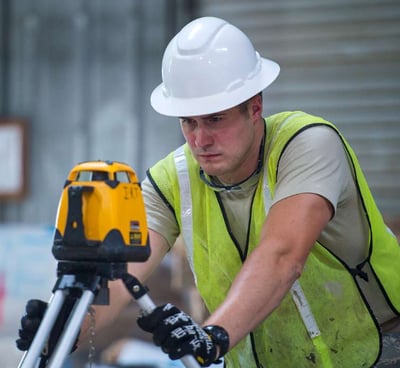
(226, 144)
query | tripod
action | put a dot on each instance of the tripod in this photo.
(84, 282)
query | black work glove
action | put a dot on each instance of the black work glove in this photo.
(178, 335)
(30, 322)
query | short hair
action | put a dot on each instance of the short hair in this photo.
(243, 106)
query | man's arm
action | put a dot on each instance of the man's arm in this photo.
(289, 232)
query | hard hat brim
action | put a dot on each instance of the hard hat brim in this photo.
(174, 106)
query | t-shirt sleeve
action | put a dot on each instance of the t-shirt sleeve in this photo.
(160, 218)
(313, 162)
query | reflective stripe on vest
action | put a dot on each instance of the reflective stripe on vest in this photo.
(186, 204)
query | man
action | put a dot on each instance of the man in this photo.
(288, 249)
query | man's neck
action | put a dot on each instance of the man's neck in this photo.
(219, 184)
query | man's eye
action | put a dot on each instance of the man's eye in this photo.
(188, 122)
(214, 119)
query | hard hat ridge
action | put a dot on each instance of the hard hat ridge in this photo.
(196, 37)
(210, 66)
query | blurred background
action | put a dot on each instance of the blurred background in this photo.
(75, 82)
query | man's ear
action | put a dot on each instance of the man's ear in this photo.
(256, 107)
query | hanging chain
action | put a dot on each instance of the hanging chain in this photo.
(92, 332)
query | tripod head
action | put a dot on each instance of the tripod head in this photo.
(101, 215)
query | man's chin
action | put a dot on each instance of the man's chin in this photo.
(211, 171)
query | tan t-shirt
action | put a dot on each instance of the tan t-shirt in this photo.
(314, 162)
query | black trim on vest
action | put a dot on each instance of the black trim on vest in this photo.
(253, 348)
(160, 193)
(243, 257)
(367, 260)
(229, 229)
(290, 139)
(363, 298)
(357, 271)
(249, 224)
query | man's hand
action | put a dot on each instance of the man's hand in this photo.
(178, 335)
(30, 322)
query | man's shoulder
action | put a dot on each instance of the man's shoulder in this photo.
(284, 125)
(294, 117)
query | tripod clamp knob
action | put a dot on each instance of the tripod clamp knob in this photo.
(133, 285)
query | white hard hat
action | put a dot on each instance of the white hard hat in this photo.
(210, 66)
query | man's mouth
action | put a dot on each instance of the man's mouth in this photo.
(208, 156)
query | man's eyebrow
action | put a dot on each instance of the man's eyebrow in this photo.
(204, 117)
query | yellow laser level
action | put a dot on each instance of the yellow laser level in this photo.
(101, 215)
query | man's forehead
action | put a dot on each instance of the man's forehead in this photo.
(208, 116)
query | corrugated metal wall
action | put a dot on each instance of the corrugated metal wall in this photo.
(340, 59)
(81, 72)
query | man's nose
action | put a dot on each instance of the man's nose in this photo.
(203, 137)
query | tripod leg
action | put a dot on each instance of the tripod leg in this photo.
(71, 330)
(31, 356)
(139, 293)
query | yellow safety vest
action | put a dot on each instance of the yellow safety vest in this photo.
(324, 321)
